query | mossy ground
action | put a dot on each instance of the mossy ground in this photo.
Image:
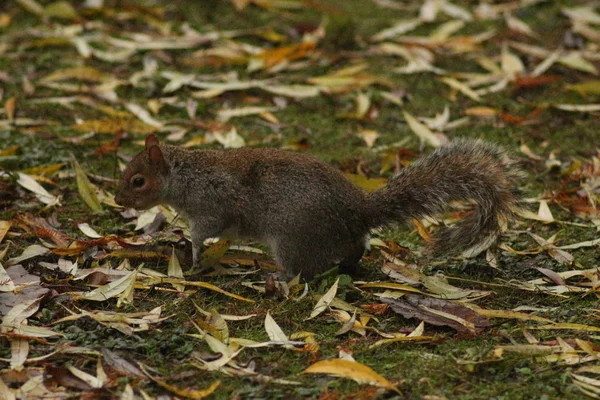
(455, 366)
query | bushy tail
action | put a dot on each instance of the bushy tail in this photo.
(465, 170)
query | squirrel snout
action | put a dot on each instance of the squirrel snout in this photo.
(118, 199)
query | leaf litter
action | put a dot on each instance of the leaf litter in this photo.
(258, 74)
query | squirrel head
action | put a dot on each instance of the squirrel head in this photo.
(141, 184)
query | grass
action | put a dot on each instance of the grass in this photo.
(455, 365)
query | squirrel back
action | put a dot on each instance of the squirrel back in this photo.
(308, 213)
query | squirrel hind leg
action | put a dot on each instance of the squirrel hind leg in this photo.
(350, 262)
(295, 259)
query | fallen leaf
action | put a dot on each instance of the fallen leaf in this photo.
(110, 126)
(9, 107)
(34, 250)
(42, 194)
(350, 369)
(325, 301)
(368, 184)
(87, 74)
(109, 290)
(88, 231)
(273, 330)
(438, 312)
(4, 227)
(461, 87)
(85, 188)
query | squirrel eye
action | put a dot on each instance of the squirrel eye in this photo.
(138, 181)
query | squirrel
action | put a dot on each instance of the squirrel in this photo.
(307, 212)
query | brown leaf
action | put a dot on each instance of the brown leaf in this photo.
(65, 378)
(375, 309)
(535, 81)
(41, 228)
(438, 312)
(121, 365)
(31, 288)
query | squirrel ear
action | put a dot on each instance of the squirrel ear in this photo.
(156, 158)
(151, 140)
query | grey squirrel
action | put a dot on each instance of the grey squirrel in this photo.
(307, 212)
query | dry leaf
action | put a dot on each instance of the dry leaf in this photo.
(422, 131)
(42, 194)
(438, 312)
(273, 330)
(109, 290)
(86, 190)
(325, 301)
(350, 369)
(115, 126)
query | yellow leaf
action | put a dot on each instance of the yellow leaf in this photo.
(446, 30)
(32, 6)
(272, 57)
(566, 325)
(531, 215)
(87, 74)
(585, 88)
(44, 170)
(28, 331)
(401, 27)
(529, 349)
(4, 227)
(324, 301)
(208, 286)
(9, 107)
(5, 20)
(368, 184)
(175, 271)
(191, 394)
(424, 339)
(461, 87)
(369, 136)
(481, 111)
(109, 290)
(393, 286)
(115, 125)
(60, 9)
(423, 132)
(510, 315)
(511, 64)
(85, 188)
(350, 369)
(10, 151)
(213, 254)
(299, 91)
(422, 231)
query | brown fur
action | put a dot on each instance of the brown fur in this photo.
(308, 213)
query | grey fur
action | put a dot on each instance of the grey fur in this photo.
(308, 213)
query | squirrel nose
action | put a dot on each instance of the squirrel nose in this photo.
(118, 199)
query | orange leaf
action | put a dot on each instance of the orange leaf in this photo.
(288, 53)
